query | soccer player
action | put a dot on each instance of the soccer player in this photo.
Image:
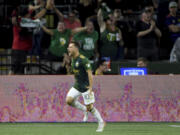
(83, 85)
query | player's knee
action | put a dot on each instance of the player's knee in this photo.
(69, 100)
(89, 107)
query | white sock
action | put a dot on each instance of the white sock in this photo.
(96, 114)
(79, 106)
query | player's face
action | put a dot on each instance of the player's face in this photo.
(71, 50)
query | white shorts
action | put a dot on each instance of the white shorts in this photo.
(87, 97)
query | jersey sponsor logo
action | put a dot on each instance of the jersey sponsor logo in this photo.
(89, 44)
(111, 37)
(62, 41)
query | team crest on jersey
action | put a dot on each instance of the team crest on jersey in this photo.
(111, 37)
(77, 64)
(62, 41)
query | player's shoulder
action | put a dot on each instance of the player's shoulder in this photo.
(83, 58)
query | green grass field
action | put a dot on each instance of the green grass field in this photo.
(140, 128)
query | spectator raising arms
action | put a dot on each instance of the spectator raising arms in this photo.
(60, 38)
(36, 6)
(88, 41)
(22, 37)
(71, 22)
(111, 36)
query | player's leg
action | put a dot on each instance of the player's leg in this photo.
(85, 118)
(97, 115)
(89, 99)
(72, 99)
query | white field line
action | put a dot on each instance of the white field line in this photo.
(178, 126)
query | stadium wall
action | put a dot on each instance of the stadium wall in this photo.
(118, 98)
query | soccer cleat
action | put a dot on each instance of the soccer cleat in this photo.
(101, 126)
(85, 117)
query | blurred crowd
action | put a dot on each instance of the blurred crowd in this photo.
(106, 30)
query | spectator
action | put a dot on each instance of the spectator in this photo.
(88, 41)
(142, 62)
(173, 22)
(22, 38)
(59, 40)
(150, 8)
(111, 36)
(35, 7)
(72, 21)
(101, 67)
(147, 35)
(60, 37)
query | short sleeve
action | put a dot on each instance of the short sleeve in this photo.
(86, 64)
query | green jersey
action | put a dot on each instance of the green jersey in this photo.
(109, 45)
(80, 65)
(88, 42)
(59, 42)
